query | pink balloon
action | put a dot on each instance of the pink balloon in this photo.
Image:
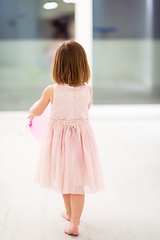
(39, 123)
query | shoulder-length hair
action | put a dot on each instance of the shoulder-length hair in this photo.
(70, 64)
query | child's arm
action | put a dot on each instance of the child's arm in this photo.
(91, 92)
(38, 109)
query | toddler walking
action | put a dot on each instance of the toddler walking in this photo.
(69, 161)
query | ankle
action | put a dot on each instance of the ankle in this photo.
(75, 223)
(68, 213)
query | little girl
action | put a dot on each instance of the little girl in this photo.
(69, 160)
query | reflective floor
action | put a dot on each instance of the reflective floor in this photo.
(128, 209)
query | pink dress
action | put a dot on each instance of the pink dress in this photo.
(69, 160)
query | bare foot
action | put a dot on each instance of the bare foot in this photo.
(66, 216)
(72, 230)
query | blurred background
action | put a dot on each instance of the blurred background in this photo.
(122, 41)
(125, 49)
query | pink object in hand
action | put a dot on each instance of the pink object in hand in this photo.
(39, 123)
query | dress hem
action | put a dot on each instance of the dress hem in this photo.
(69, 192)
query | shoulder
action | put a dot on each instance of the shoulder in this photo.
(48, 89)
(49, 92)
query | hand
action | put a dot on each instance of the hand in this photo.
(31, 118)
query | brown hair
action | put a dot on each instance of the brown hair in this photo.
(70, 64)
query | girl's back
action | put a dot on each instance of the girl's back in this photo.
(70, 102)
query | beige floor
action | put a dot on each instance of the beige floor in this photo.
(129, 209)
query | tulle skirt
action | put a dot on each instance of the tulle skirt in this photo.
(68, 160)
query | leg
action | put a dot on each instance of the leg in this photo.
(77, 204)
(67, 201)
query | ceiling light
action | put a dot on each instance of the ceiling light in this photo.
(50, 5)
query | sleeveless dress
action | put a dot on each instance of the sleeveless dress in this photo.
(69, 160)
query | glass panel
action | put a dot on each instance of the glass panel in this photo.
(126, 51)
(29, 36)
